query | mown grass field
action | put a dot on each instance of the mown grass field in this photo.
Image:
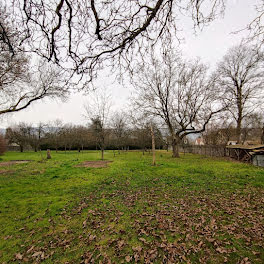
(188, 210)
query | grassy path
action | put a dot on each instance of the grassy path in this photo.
(189, 210)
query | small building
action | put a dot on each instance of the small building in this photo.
(13, 147)
(231, 143)
(246, 153)
(199, 141)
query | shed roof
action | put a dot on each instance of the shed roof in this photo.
(249, 147)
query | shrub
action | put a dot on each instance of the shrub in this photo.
(2, 145)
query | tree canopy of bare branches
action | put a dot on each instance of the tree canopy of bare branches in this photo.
(256, 26)
(83, 36)
(23, 82)
(241, 76)
(179, 93)
(44, 83)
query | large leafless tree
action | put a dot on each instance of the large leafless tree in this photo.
(179, 93)
(241, 77)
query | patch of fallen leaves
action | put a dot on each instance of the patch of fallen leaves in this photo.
(95, 164)
(164, 228)
(13, 162)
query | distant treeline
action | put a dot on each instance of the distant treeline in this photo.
(56, 136)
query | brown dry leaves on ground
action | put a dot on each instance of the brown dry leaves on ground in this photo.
(13, 162)
(95, 164)
(159, 226)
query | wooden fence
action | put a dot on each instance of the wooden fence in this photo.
(206, 150)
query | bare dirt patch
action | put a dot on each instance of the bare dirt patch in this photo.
(95, 164)
(13, 162)
(6, 171)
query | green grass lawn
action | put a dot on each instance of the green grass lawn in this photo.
(188, 210)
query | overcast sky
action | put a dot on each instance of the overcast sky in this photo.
(210, 45)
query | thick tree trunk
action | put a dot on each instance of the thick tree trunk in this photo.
(175, 141)
(240, 114)
(238, 131)
(21, 148)
(175, 148)
(262, 136)
(102, 153)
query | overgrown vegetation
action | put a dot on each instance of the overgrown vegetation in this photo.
(190, 210)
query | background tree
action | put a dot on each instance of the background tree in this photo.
(120, 130)
(251, 128)
(179, 93)
(54, 133)
(18, 134)
(219, 131)
(81, 137)
(36, 135)
(241, 76)
(97, 111)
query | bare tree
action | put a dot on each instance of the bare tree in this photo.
(97, 111)
(241, 76)
(81, 136)
(219, 131)
(179, 93)
(53, 133)
(81, 35)
(18, 134)
(66, 137)
(120, 129)
(251, 128)
(35, 135)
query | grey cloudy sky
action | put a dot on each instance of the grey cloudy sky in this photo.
(210, 45)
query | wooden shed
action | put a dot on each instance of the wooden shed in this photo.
(246, 153)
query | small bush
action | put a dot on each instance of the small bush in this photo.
(2, 145)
